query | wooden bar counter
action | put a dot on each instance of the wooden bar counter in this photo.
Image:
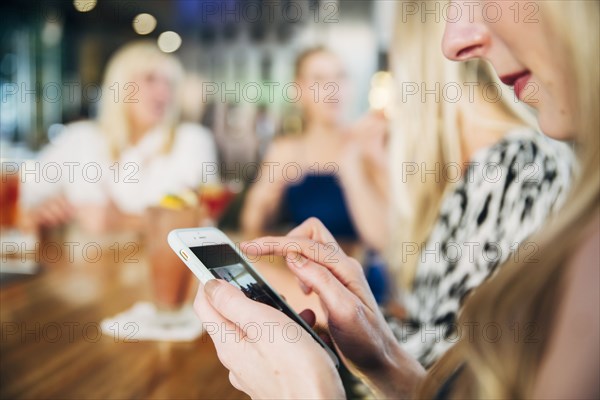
(51, 344)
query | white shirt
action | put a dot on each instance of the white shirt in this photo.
(79, 165)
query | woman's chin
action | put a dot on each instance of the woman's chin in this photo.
(557, 128)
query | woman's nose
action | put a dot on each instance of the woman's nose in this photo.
(163, 89)
(464, 40)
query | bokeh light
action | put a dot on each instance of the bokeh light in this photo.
(169, 41)
(380, 95)
(144, 23)
(84, 5)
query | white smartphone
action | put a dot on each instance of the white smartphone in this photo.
(210, 254)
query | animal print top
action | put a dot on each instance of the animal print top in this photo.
(507, 193)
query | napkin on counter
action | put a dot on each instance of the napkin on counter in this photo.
(13, 260)
(143, 322)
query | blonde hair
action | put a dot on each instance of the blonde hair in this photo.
(523, 293)
(118, 90)
(426, 132)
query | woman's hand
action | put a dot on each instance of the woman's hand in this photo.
(367, 143)
(102, 218)
(97, 218)
(355, 323)
(94, 218)
(363, 170)
(52, 212)
(267, 354)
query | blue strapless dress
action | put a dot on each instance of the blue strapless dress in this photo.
(320, 196)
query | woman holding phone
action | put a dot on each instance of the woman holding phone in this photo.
(556, 296)
(466, 187)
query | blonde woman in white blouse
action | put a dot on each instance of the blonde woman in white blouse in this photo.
(103, 173)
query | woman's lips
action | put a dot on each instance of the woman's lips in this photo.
(519, 80)
(520, 84)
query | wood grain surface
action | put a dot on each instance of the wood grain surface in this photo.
(51, 345)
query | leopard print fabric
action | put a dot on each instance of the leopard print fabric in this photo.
(507, 193)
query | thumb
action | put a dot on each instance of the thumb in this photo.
(232, 304)
(211, 289)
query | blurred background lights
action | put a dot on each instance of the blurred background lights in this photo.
(169, 41)
(380, 95)
(84, 5)
(52, 33)
(144, 23)
(382, 78)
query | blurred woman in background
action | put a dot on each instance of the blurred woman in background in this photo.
(299, 174)
(135, 153)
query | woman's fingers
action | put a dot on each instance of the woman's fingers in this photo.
(224, 333)
(54, 212)
(63, 209)
(302, 250)
(235, 382)
(305, 289)
(313, 229)
(234, 306)
(213, 321)
(339, 301)
(335, 294)
(66, 206)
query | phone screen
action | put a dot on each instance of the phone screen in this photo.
(225, 263)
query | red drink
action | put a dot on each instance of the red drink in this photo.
(216, 198)
(9, 200)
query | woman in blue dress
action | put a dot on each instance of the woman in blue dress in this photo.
(299, 176)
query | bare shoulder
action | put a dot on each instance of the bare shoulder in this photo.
(582, 290)
(285, 149)
(576, 335)
(584, 266)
